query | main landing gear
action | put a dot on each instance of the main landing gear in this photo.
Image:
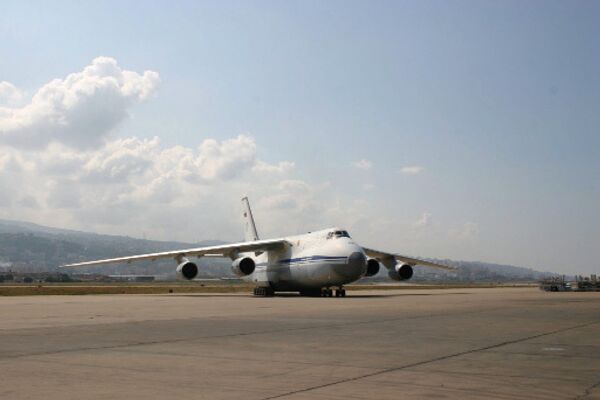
(264, 291)
(324, 292)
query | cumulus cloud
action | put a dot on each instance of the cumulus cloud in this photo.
(280, 168)
(123, 159)
(281, 201)
(411, 170)
(132, 173)
(289, 194)
(119, 160)
(134, 185)
(363, 164)
(10, 95)
(226, 159)
(294, 186)
(79, 111)
(60, 166)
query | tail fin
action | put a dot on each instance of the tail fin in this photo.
(249, 225)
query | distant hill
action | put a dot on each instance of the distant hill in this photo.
(30, 247)
(25, 246)
(473, 271)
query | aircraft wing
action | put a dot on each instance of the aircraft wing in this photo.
(382, 256)
(227, 250)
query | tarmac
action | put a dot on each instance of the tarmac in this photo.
(519, 343)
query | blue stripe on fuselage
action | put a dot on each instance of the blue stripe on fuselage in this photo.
(311, 258)
(306, 260)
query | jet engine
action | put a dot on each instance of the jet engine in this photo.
(401, 272)
(243, 266)
(372, 267)
(186, 270)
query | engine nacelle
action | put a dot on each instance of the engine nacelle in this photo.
(186, 270)
(372, 267)
(243, 266)
(401, 272)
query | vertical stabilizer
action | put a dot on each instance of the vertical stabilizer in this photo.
(249, 225)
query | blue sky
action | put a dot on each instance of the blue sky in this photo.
(497, 103)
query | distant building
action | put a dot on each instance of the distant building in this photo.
(581, 284)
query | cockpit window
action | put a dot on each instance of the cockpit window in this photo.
(337, 234)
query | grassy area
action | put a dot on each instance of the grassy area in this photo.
(80, 288)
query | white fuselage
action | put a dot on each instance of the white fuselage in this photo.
(311, 261)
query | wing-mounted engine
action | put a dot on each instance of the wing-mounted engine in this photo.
(243, 266)
(186, 269)
(372, 267)
(401, 272)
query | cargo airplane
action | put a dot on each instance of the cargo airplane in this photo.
(311, 264)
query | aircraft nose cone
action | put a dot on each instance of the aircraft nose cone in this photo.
(354, 267)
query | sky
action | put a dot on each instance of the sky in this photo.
(466, 130)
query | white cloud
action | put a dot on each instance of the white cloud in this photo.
(223, 160)
(294, 186)
(131, 176)
(281, 168)
(123, 159)
(10, 95)
(291, 195)
(281, 201)
(411, 170)
(120, 160)
(363, 164)
(424, 221)
(80, 110)
(51, 174)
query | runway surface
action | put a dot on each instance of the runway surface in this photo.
(410, 344)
